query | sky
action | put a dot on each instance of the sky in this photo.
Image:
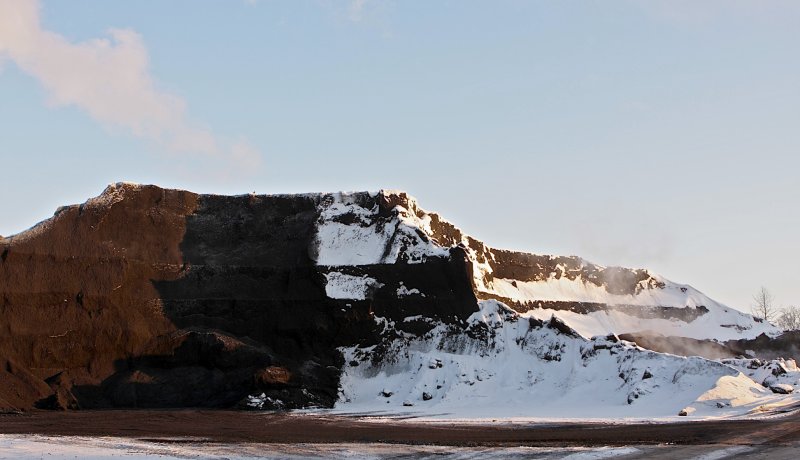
(655, 134)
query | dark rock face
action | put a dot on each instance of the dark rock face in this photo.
(787, 345)
(145, 297)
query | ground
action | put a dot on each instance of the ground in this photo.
(212, 434)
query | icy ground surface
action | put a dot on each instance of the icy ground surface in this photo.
(50, 447)
(62, 448)
(504, 366)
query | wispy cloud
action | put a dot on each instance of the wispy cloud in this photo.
(109, 78)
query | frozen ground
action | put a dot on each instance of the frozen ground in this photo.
(50, 447)
(58, 448)
(243, 435)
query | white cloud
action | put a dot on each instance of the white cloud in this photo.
(109, 79)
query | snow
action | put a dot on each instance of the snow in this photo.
(748, 392)
(510, 365)
(767, 373)
(728, 452)
(506, 366)
(732, 395)
(720, 322)
(711, 325)
(351, 287)
(259, 401)
(579, 290)
(32, 447)
(602, 453)
(364, 238)
(349, 233)
(403, 291)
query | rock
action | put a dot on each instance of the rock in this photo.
(781, 388)
(435, 363)
(426, 396)
(273, 375)
(562, 327)
(778, 369)
(386, 393)
(407, 403)
(647, 375)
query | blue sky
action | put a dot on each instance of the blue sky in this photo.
(660, 134)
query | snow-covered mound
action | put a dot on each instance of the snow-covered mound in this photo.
(503, 365)
(769, 374)
(759, 387)
(592, 299)
(541, 339)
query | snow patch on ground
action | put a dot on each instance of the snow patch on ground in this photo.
(32, 447)
(736, 395)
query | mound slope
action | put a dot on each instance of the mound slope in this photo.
(149, 297)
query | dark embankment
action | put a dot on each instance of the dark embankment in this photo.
(146, 297)
(787, 345)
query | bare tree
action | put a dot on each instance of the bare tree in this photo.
(789, 319)
(764, 306)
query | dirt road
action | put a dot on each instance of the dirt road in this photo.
(234, 427)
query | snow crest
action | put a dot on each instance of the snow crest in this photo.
(348, 233)
(353, 229)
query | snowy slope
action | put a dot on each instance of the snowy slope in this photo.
(592, 299)
(505, 366)
(542, 342)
